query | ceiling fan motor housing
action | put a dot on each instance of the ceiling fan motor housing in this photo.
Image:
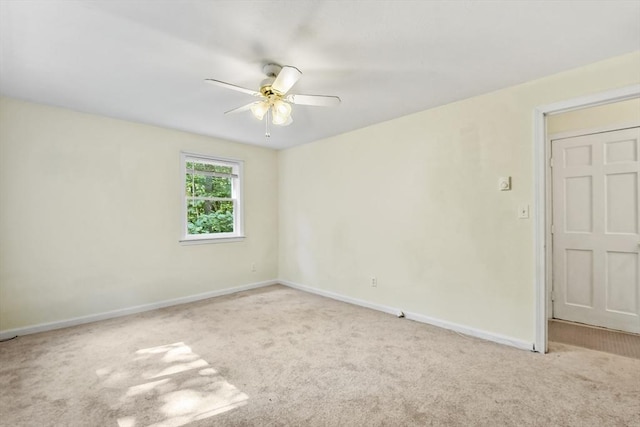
(265, 87)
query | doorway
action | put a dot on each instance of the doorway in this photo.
(543, 202)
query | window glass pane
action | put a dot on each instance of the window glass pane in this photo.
(208, 167)
(207, 186)
(205, 217)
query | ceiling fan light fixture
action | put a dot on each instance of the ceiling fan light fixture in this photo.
(281, 112)
(288, 122)
(260, 109)
(281, 109)
(275, 100)
(279, 120)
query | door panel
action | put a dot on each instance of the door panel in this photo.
(579, 277)
(596, 221)
(578, 203)
(621, 294)
(622, 202)
(621, 151)
(577, 156)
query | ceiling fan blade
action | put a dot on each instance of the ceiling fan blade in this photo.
(243, 108)
(233, 87)
(287, 77)
(315, 100)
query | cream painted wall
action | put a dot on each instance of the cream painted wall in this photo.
(622, 113)
(90, 216)
(89, 210)
(414, 202)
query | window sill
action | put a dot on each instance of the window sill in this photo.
(210, 240)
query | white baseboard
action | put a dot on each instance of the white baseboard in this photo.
(490, 336)
(42, 327)
(343, 298)
(466, 330)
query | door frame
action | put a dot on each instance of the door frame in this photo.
(542, 197)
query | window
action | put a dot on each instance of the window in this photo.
(211, 202)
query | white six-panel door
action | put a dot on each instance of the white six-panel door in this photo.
(596, 224)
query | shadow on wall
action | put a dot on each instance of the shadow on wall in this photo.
(167, 385)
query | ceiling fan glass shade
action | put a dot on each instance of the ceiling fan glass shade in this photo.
(259, 109)
(281, 112)
(288, 122)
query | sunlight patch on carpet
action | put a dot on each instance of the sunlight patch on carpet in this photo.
(169, 386)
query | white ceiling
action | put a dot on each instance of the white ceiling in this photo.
(146, 61)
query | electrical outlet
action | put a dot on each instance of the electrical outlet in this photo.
(253, 267)
(374, 282)
(523, 211)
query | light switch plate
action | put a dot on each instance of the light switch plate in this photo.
(504, 183)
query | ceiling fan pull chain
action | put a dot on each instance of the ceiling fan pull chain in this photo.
(267, 132)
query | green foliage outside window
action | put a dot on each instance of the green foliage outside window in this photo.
(209, 216)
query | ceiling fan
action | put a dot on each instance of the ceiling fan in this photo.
(275, 101)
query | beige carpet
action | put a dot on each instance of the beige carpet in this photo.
(595, 338)
(277, 356)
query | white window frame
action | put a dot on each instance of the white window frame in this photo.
(236, 195)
